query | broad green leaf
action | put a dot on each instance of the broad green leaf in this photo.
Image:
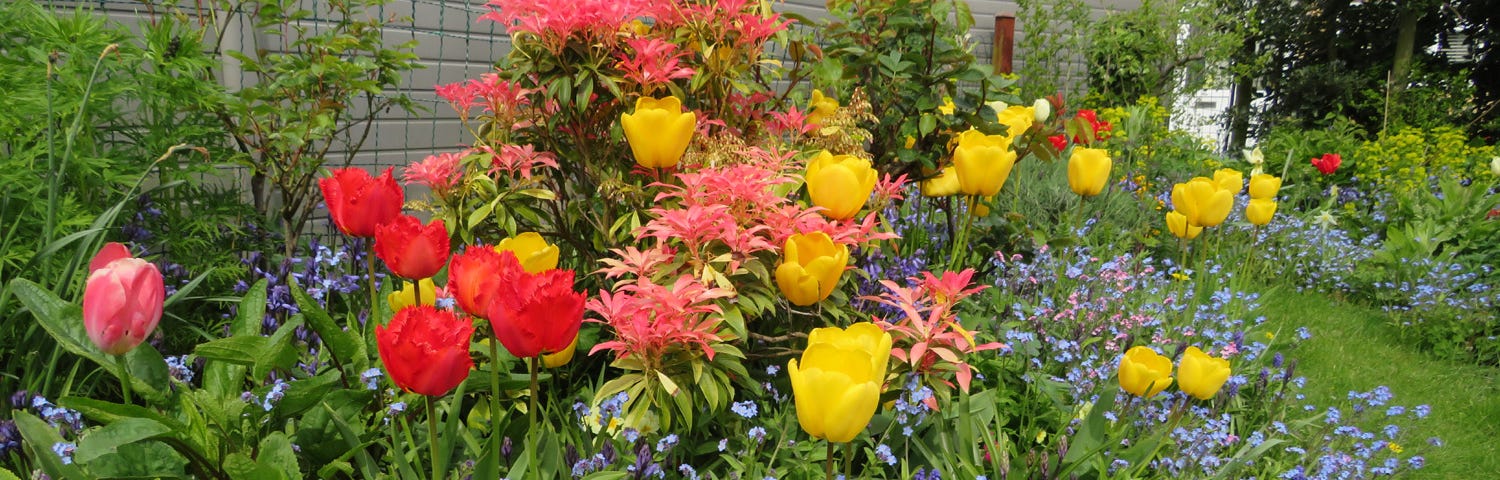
(108, 440)
(345, 345)
(241, 350)
(39, 438)
(280, 352)
(276, 452)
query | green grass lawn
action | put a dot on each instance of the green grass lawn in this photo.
(1355, 348)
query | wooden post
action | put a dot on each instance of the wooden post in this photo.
(1005, 42)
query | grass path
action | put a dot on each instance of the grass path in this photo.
(1355, 348)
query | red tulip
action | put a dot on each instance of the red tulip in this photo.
(477, 275)
(426, 350)
(1328, 163)
(411, 250)
(358, 203)
(1059, 142)
(122, 301)
(535, 314)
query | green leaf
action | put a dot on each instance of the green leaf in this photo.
(276, 452)
(62, 320)
(280, 352)
(303, 394)
(107, 413)
(148, 372)
(7, 475)
(345, 345)
(108, 440)
(241, 350)
(40, 438)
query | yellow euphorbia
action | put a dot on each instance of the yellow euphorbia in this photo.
(1177, 223)
(983, 163)
(1230, 179)
(1145, 373)
(811, 265)
(1088, 170)
(836, 384)
(1202, 201)
(659, 131)
(1017, 120)
(945, 184)
(562, 357)
(535, 254)
(1200, 375)
(405, 296)
(1260, 210)
(1264, 186)
(820, 108)
(840, 184)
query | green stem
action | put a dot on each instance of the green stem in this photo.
(848, 465)
(828, 464)
(495, 388)
(417, 293)
(124, 378)
(536, 365)
(963, 233)
(432, 437)
(374, 294)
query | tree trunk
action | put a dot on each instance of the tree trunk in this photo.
(1406, 42)
(1239, 112)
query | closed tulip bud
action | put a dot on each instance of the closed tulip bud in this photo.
(1202, 202)
(1017, 120)
(836, 383)
(811, 267)
(122, 300)
(1495, 166)
(820, 108)
(1144, 373)
(1260, 210)
(983, 163)
(1088, 171)
(359, 203)
(840, 184)
(659, 131)
(410, 249)
(1264, 186)
(1042, 109)
(535, 254)
(1200, 375)
(1230, 179)
(406, 296)
(942, 185)
(1178, 225)
(426, 350)
(1255, 157)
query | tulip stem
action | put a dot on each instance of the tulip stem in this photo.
(374, 294)
(495, 388)
(848, 465)
(535, 366)
(963, 233)
(417, 294)
(124, 379)
(432, 438)
(828, 467)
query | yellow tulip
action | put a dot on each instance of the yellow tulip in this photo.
(983, 163)
(1264, 186)
(820, 108)
(1088, 170)
(1260, 210)
(1202, 201)
(404, 297)
(945, 184)
(659, 131)
(1177, 223)
(1230, 179)
(840, 184)
(836, 384)
(1144, 373)
(810, 268)
(1017, 120)
(562, 357)
(535, 254)
(1200, 375)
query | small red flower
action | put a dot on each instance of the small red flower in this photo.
(411, 250)
(535, 314)
(1059, 141)
(1328, 163)
(426, 350)
(358, 203)
(476, 276)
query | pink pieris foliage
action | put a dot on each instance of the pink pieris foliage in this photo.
(555, 22)
(513, 159)
(651, 321)
(928, 337)
(651, 62)
(439, 172)
(504, 99)
(736, 23)
(793, 122)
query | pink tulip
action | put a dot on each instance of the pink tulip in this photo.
(123, 300)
